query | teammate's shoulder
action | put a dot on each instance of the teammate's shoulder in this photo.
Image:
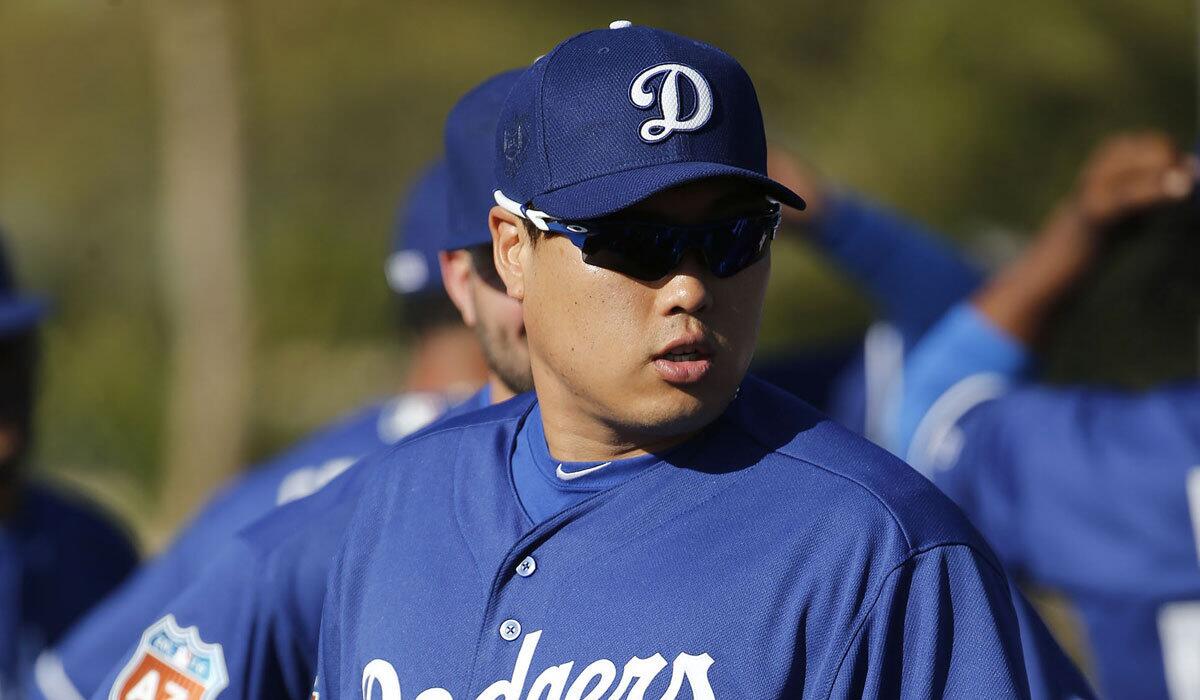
(426, 452)
(358, 431)
(813, 461)
(469, 423)
(328, 507)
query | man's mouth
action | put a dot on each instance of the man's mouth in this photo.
(683, 355)
(684, 361)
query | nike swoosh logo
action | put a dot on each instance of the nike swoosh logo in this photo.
(571, 476)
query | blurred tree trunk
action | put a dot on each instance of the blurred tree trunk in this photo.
(202, 256)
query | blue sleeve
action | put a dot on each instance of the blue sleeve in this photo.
(941, 626)
(233, 606)
(908, 272)
(961, 362)
(224, 599)
(260, 599)
(306, 536)
(93, 646)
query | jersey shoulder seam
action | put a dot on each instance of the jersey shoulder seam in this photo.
(886, 506)
(865, 613)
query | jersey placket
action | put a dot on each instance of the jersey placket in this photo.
(523, 592)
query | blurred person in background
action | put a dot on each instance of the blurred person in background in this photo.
(58, 555)
(446, 365)
(256, 611)
(910, 274)
(1094, 492)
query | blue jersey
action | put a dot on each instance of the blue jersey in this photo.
(546, 486)
(775, 555)
(58, 557)
(78, 665)
(260, 600)
(1093, 492)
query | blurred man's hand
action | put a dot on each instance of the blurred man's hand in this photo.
(1125, 175)
(1131, 172)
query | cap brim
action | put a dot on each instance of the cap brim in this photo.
(21, 313)
(607, 194)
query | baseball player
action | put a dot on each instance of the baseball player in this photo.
(80, 663)
(58, 555)
(652, 522)
(1091, 491)
(255, 613)
(261, 601)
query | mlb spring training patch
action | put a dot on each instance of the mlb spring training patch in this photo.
(172, 663)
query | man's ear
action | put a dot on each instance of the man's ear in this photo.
(456, 278)
(509, 243)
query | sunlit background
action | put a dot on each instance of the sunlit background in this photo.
(301, 123)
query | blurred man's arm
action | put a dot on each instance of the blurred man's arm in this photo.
(980, 347)
(910, 273)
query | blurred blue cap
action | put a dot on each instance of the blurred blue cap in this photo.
(419, 233)
(470, 138)
(17, 313)
(612, 116)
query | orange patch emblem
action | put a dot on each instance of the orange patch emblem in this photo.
(172, 663)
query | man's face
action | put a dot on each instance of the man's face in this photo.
(496, 318)
(499, 325)
(655, 359)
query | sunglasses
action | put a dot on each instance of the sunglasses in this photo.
(649, 251)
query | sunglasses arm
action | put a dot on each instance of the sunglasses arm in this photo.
(538, 218)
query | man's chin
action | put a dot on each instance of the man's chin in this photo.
(681, 413)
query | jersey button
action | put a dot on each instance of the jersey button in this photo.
(526, 568)
(510, 630)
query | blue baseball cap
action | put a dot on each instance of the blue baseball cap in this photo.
(612, 116)
(17, 312)
(470, 135)
(419, 233)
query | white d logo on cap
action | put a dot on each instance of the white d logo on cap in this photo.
(643, 97)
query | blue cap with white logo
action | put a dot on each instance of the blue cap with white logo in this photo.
(612, 116)
(470, 135)
(419, 233)
(18, 312)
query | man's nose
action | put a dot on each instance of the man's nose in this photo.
(688, 287)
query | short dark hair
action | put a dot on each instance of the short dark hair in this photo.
(534, 232)
(1132, 322)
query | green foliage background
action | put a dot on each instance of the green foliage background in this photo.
(969, 115)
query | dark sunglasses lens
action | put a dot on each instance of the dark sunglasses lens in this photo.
(650, 251)
(631, 250)
(734, 249)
